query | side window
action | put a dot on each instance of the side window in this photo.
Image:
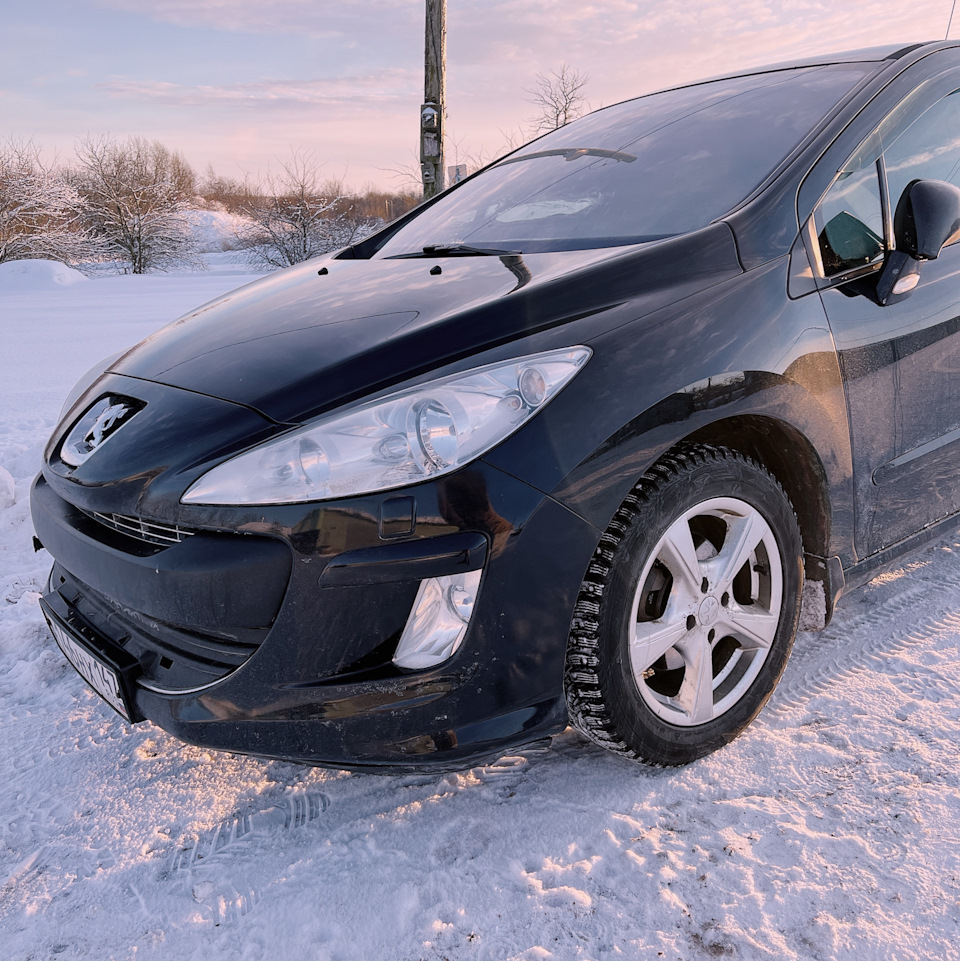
(849, 222)
(929, 149)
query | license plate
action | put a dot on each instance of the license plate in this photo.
(103, 678)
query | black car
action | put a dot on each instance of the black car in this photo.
(583, 439)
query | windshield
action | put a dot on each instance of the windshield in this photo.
(638, 171)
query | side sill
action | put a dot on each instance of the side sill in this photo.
(859, 574)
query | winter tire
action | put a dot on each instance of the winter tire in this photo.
(688, 611)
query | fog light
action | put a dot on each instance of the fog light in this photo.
(438, 620)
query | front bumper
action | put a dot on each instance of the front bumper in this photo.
(273, 634)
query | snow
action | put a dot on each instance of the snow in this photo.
(31, 275)
(216, 230)
(8, 489)
(829, 830)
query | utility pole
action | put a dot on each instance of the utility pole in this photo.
(434, 96)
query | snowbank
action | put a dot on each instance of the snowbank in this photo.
(215, 230)
(8, 489)
(17, 275)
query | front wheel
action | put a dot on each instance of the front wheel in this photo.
(688, 611)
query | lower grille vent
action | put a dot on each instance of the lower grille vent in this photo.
(149, 531)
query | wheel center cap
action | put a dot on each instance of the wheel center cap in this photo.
(709, 611)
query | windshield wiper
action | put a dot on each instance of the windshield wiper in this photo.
(464, 250)
(573, 153)
(458, 250)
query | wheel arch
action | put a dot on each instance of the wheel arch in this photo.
(792, 459)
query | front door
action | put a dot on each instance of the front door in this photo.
(901, 362)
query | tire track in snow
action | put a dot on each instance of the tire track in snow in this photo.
(864, 641)
(228, 870)
(221, 865)
(293, 812)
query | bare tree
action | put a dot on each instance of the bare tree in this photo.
(296, 215)
(226, 193)
(375, 206)
(137, 195)
(40, 212)
(407, 176)
(558, 97)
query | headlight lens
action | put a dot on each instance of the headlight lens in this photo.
(400, 439)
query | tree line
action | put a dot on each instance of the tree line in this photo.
(130, 202)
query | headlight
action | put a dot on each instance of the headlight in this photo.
(400, 439)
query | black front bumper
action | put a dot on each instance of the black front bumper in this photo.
(278, 641)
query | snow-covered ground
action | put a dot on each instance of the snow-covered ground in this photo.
(830, 830)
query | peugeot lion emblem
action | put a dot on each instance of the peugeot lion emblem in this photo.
(95, 428)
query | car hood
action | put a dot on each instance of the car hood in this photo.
(317, 335)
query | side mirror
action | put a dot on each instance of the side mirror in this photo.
(927, 219)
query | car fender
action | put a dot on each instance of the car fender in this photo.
(688, 372)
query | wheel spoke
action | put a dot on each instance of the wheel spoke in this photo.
(695, 697)
(743, 536)
(652, 639)
(679, 555)
(754, 630)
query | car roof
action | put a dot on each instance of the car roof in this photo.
(876, 55)
(861, 55)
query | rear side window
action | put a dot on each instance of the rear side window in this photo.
(649, 168)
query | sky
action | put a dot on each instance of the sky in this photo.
(242, 84)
